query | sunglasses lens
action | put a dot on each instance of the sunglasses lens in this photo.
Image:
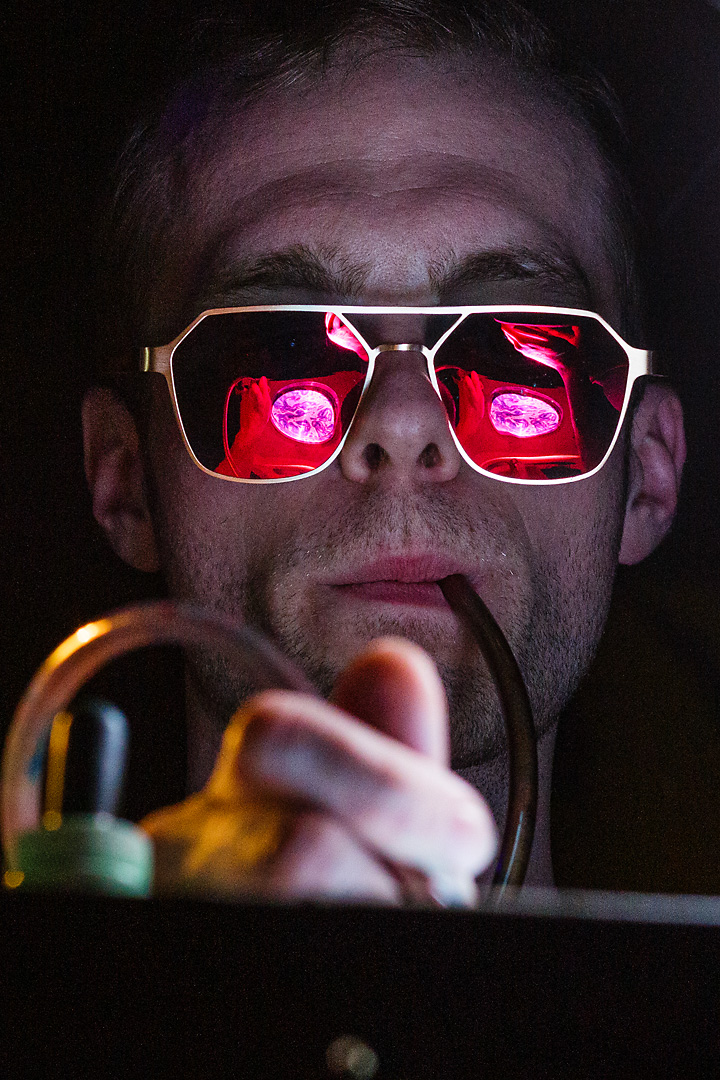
(267, 395)
(530, 396)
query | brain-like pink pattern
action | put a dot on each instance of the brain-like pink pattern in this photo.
(523, 415)
(304, 414)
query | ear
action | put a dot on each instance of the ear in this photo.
(657, 456)
(114, 470)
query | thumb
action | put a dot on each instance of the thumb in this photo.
(394, 686)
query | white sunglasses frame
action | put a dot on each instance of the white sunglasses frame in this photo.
(640, 363)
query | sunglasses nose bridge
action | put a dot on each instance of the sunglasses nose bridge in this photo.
(402, 347)
(407, 347)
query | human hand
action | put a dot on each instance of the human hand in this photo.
(347, 800)
(471, 407)
(543, 344)
(255, 407)
(254, 414)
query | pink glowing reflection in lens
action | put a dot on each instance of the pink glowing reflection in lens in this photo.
(523, 415)
(342, 335)
(536, 342)
(304, 414)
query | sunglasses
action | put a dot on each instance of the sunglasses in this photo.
(533, 395)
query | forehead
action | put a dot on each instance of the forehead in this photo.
(395, 177)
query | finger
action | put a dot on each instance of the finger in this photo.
(205, 844)
(320, 859)
(209, 848)
(403, 806)
(394, 686)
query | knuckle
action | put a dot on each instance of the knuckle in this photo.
(321, 859)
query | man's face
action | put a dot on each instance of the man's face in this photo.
(404, 185)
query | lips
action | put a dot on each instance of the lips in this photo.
(406, 579)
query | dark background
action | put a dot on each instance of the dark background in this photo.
(639, 752)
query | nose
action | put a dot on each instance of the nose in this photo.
(401, 427)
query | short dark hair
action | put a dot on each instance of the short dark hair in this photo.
(239, 52)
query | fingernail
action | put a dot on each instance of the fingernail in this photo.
(453, 892)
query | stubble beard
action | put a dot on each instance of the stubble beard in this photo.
(553, 628)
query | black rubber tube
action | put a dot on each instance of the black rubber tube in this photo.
(520, 730)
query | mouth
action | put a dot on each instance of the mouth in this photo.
(399, 580)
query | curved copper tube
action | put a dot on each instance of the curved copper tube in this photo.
(520, 729)
(86, 651)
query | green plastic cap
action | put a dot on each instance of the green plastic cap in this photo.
(88, 853)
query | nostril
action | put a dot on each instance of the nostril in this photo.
(430, 458)
(374, 456)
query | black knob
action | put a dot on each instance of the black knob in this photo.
(86, 759)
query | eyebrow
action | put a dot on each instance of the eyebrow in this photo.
(511, 264)
(327, 273)
(297, 267)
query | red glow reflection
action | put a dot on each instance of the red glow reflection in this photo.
(523, 415)
(535, 342)
(342, 335)
(304, 414)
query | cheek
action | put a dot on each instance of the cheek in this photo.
(198, 523)
(213, 535)
(575, 531)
